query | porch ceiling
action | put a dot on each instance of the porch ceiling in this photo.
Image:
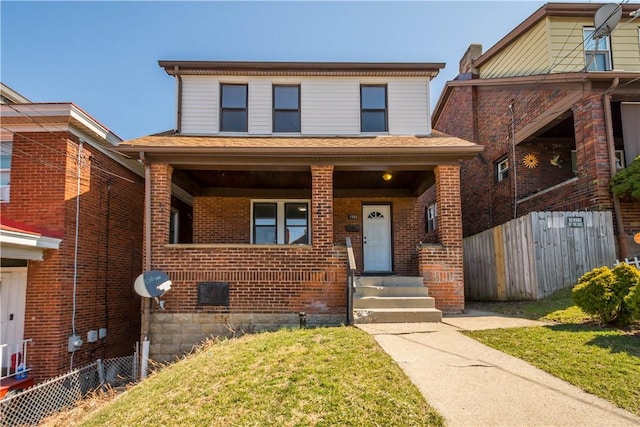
(298, 183)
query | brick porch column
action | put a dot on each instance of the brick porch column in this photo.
(441, 264)
(160, 208)
(322, 207)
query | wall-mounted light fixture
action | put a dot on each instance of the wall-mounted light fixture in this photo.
(387, 176)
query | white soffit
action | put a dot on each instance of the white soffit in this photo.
(18, 245)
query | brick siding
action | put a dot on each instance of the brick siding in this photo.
(481, 114)
(43, 195)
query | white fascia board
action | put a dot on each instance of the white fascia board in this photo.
(94, 126)
(16, 245)
(16, 238)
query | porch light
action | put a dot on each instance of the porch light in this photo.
(302, 208)
(387, 176)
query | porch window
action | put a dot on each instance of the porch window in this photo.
(286, 108)
(5, 169)
(502, 169)
(432, 217)
(233, 108)
(281, 222)
(597, 53)
(373, 108)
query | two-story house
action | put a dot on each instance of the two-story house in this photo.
(70, 241)
(557, 111)
(278, 164)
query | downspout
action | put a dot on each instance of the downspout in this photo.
(146, 302)
(176, 71)
(608, 124)
(513, 145)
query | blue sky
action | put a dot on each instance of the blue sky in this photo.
(103, 56)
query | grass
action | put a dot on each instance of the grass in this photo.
(325, 376)
(600, 360)
(557, 307)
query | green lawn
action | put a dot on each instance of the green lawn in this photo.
(324, 376)
(603, 361)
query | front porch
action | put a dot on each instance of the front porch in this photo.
(253, 238)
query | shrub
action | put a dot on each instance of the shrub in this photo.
(604, 293)
(633, 301)
(626, 182)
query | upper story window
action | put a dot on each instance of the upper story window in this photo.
(5, 169)
(233, 108)
(373, 108)
(281, 222)
(502, 169)
(597, 52)
(286, 108)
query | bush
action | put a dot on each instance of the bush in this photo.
(626, 182)
(633, 301)
(606, 294)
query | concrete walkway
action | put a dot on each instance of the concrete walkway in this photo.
(471, 384)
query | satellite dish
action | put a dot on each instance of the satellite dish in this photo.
(606, 19)
(152, 284)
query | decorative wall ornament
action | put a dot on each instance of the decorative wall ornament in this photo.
(556, 160)
(530, 160)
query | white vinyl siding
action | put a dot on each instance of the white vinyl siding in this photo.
(260, 107)
(330, 107)
(199, 105)
(408, 102)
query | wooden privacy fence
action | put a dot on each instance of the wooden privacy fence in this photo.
(533, 256)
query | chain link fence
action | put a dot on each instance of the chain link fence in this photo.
(29, 407)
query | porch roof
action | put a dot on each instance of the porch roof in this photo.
(19, 241)
(431, 149)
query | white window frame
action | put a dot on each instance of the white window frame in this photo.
(603, 48)
(280, 218)
(432, 217)
(174, 226)
(502, 169)
(6, 148)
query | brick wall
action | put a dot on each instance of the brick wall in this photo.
(487, 202)
(272, 281)
(43, 194)
(441, 264)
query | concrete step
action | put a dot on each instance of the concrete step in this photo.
(393, 291)
(372, 302)
(390, 281)
(393, 315)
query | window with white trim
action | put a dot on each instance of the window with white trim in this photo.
(502, 169)
(286, 108)
(432, 217)
(233, 107)
(280, 222)
(597, 53)
(6, 147)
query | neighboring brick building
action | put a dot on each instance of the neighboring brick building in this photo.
(283, 162)
(46, 294)
(556, 115)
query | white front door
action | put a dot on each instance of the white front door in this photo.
(376, 238)
(13, 293)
